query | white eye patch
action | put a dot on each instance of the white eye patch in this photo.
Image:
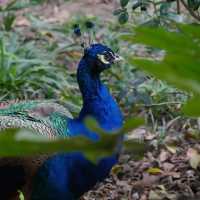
(102, 58)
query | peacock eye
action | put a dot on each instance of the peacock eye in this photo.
(107, 57)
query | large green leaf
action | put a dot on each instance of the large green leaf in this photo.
(22, 142)
(136, 146)
(192, 106)
(193, 4)
(181, 64)
(124, 3)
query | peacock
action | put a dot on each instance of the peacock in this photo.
(63, 176)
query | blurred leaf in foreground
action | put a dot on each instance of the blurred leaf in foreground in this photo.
(22, 142)
(21, 195)
(181, 64)
(16, 143)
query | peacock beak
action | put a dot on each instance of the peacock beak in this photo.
(117, 58)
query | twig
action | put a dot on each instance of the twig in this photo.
(190, 10)
(157, 3)
(172, 122)
(160, 104)
(178, 7)
(2, 54)
(152, 117)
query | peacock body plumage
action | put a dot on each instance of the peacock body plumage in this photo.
(45, 117)
(67, 176)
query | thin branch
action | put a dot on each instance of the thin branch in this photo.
(172, 122)
(178, 7)
(161, 104)
(190, 10)
(157, 3)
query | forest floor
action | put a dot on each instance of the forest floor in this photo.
(168, 171)
(170, 168)
(56, 12)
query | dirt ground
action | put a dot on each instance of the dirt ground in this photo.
(168, 172)
(59, 12)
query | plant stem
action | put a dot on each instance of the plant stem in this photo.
(161, 104)
(190, 10)
(2, 54)
(178, 7)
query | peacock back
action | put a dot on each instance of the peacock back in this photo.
(45, 117)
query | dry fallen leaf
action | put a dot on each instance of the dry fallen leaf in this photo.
(154, 170)
(171, 148)
(138, 133)
(161, 193)
(193, 157)
(164, 155)
(167, 166)
(116, 169)
(154, 196)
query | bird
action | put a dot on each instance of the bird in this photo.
(64, 176)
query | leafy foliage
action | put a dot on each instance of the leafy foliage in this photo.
(21, 196)
(194, 4)
(181, 63)
(156, 13)
(124, 3)
(8, 9)
(26, 70)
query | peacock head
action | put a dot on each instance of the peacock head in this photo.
(100, 57)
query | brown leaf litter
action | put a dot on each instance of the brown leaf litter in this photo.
(164, 173)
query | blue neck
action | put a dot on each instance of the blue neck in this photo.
(69, 175)
(97, 100)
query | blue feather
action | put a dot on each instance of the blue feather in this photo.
(68, 176)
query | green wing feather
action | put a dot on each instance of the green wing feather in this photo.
(43, 107)
(45, 117)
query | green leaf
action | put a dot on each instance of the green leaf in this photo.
(10, 5)
(124, 3)
(181, 64)
(194, 4)
(118, 11)
(21, 195)
(135, 147)
(164, 8)
(15, 5)
(136, 5)
(129, 125)
(8, 21)
(171, 74)
(35, 2)
(138, 147)
(123, 17)
(192, 107)
(24, 142)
